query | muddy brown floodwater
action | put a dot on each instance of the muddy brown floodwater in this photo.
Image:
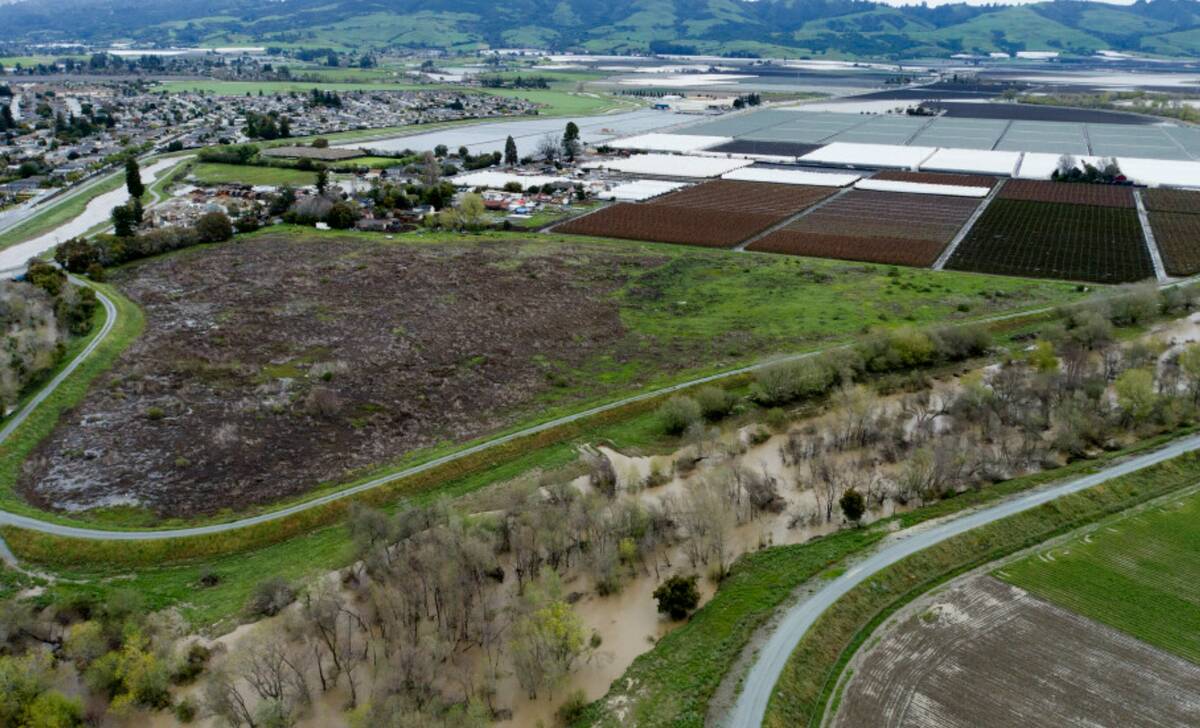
(271, 366)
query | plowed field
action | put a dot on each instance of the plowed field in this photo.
(878, 227)
(715, 214)
(936, 178)
(1068, 193)
(1166, 200)
(1178, 237)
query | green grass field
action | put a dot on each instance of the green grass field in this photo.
(1140, 574)
(211, 173)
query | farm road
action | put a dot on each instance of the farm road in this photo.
(760, 681)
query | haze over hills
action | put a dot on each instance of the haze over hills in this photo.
(824, 28)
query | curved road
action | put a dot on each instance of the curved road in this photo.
(751, 704)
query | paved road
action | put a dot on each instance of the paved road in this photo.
(751, 705)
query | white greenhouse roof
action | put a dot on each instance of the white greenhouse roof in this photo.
(669, 142)
(892, 156)
(791, 177)
(977, 161)
(920, 188)
(1160, 172)
(497, 180)
(672, 165)
(642, 189)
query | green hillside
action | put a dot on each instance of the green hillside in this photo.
(824, 28)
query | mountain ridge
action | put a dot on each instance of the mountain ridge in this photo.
(818, 28)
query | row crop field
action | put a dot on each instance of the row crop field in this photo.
(876, 227)
(1068, 193)
(936, 178)
(1161, 199)
(1139, 574)
(1049, 240)
(715, 214)
(1175, 219)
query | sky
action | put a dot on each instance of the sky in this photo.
(933, 3)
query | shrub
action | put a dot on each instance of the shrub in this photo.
(789, 381)
(572, 708)
(185, 711)
(677, 596)
(247, 224)
(95, 271)
(75, 255)
(342, 216)
(270, 597)
(715, 402)
(903, 348)
(214, 227)
(853, 505)
(679, 413)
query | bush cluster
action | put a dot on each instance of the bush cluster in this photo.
(80, 255)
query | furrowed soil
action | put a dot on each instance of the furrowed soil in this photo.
(983, 653)
(289, 361)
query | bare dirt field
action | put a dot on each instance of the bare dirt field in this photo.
(984, 653)
(273, 365)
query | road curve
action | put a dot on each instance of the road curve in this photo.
(751, 705)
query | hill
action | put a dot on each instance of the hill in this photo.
(824, 28)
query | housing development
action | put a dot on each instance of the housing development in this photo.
(377, 365)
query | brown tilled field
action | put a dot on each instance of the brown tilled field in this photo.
(983, 653)
(877, 227)
(1068, 193)
(717, 214)
(936, 178)
(270, 366)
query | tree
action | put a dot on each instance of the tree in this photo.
(570, 141)
(320, 143)
(854, 506)
(322, 180)
(133, 178)
(123, 221)
(1135, 394)
(342, 216)
(679, 413)
(546, 637)
(510, 151)
(471, 211)
(214, 227)
(431, 171)
(549, 148)
(677, 596)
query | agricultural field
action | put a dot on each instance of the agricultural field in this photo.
(1175, 219)
(1050, 240)
(293, 360)
(1068, 193)
(936, 178)
(717, 214)
(1138, 574)
(214, 174)
(983, 652)
(877, 227)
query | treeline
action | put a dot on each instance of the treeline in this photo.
(92, 256)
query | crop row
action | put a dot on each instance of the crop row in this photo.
(1047, 240)
(1068, 193)
(668, 224)
(893, 251)
(1178, 238)
(717, 214)
(936, 178)
(877, 227)
(1167, 200)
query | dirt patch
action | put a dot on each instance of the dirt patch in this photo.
(983, 653)
(270, 366)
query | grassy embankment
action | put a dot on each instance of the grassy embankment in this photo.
(1138, 573)
(59, 212)
(807, 683)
